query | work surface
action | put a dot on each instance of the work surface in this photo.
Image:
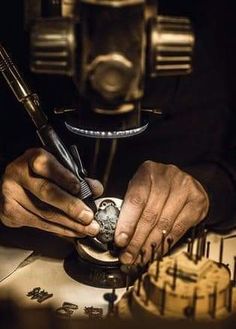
(46, 273)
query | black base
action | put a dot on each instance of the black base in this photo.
(96, 275)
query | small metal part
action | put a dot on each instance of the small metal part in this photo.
(213, 303)
(40, 295)
(208, 249)
(193, 235)
(163, 300)
(198, 252)
(162, 244)
(147, 288)
(230, 298)
(175, 271)
(189, 245)
(153, 248)
(102, 134)
(111, 297)
(114, 3)
(94, 313)
(221, 251)
(203, 245)
(66, 310)
(169, 243)
(157, 267)
(182, 275)
(190, 311)
(157, 111)
(142, 256)
(63, 110)
(130, 271)
(234, 277)
(76, 156)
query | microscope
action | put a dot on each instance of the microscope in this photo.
(109, 48)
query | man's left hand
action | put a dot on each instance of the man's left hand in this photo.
(159, 197)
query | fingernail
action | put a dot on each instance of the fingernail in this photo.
(126, 258)
(122, 239)
(86, 216)
(93, 228)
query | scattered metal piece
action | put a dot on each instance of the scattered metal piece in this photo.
(230, 298)
(189, 246)
(198, 253)
(169, 243)
(203, 243)
(162, 244)
(142, 255)
(234, 275)
(208, 249)
(213, 302)
(153, 246)
(175, 270)
(39, 294)
(163, 300)
(221, 251)
(157, 268)
(94, 313)
(66, 310)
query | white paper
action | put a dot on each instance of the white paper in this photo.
(11, 259)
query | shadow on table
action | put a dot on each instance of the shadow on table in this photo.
(40, 242)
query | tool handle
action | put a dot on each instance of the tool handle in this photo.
(53, 143)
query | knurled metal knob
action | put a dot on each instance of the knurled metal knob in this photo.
(53, 43)
(111, 75)
(171, 46)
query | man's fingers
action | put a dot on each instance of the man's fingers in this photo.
(185, 220)
(53, 215)
(17, 216)
(171, 205)
(95, 186)
(131, 210)
(53, 195)
(146, 224)
(47, 166)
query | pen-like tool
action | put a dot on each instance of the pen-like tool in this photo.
(48, 136)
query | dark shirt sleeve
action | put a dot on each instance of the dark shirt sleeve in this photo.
(216, 169)
(218, 180)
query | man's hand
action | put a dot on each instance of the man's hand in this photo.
(37, 191)
(159, 197)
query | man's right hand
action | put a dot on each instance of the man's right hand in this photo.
(37, 191)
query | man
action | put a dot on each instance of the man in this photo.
(181, 177)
